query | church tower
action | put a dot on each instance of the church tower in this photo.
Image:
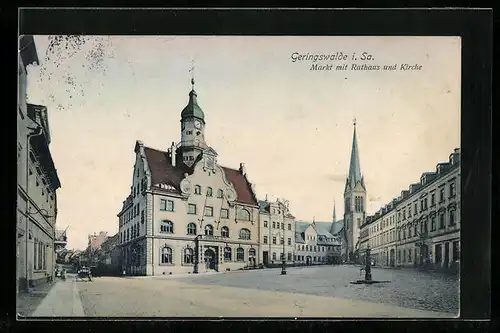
(354, 200)
(192, 129)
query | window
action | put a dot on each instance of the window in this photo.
(282, 256)
(433, 199)
(441, 221)
(227, 253)
(224, 213)
(209, 211)
(404, 214)
(128, 234)
(191, 229)
(251, 253)
(220, 193)
(282, 240)
(197, 189)
(166, 205)
(167, 227)
(409, 255)
(282, 225)
(289, 256)
(441, 195)
(209, 230)
(142, 216)
(244, 215)
(289, 226)
(433, 223)
(452, 218)
(289, 241)
(452, 190)
(274, 225)
(265, 239)
(224, 232)
(188, 256)
(191, 209)
(244, 234)
(274, 240)
(240, 254)
(209, 191)
(166, 255)
(415, 208)
(274, 255)
(265, 224)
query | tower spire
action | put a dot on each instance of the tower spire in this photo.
(354, 166)
(191, 70)
(334, 215)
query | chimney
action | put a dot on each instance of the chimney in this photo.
(242, 169)
(173, 153)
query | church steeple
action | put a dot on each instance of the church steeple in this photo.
(354, 166)
(334, 215)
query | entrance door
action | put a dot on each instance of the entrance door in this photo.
(308, 260)
(265, 257)
(391, 257)
(209, 259)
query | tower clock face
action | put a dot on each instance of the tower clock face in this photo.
(197, 124)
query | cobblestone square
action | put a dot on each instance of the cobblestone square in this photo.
(302, 292)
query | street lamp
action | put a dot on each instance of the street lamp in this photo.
(196, 254)
(285, 204)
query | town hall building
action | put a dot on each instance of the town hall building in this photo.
(186, 213)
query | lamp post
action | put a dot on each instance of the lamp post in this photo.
(196, 254)
(285, 204)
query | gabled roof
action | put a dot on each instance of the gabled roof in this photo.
(163, 172)
(322, 229)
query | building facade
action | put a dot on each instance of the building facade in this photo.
(354, 203)
(277, 233)
(315, 244)
(186, 213)
(37, 183)
(422, 226)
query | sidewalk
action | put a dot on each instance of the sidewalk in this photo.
(63, 300)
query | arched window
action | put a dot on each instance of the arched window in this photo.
(191, 229)
(251, 252)
(220, 193)
(197, 189)
(224, 232)
(209, 191)
(166, 255)
(188, 256)
(227, 253)
(167, 226)
(240, 254)
(209, 230)
(244, 234)
(244, 215)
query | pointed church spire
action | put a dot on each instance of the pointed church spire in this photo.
(354, 167)
(334, 215)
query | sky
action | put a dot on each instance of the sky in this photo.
(290, 125)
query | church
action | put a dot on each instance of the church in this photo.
(186, 213)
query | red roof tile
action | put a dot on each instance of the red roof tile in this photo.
(162, 172)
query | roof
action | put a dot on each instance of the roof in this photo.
(354, 166)
(321, 228)
(163, 172)
(27, 48)
(193, 109)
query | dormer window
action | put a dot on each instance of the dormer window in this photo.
(209, 191)
(197, 189)
(220, 193)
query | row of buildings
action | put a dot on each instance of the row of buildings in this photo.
(187, 213)
(421, 227)
(37, 183)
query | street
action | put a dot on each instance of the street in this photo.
(303, 292)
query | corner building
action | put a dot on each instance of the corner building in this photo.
(186, 213)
